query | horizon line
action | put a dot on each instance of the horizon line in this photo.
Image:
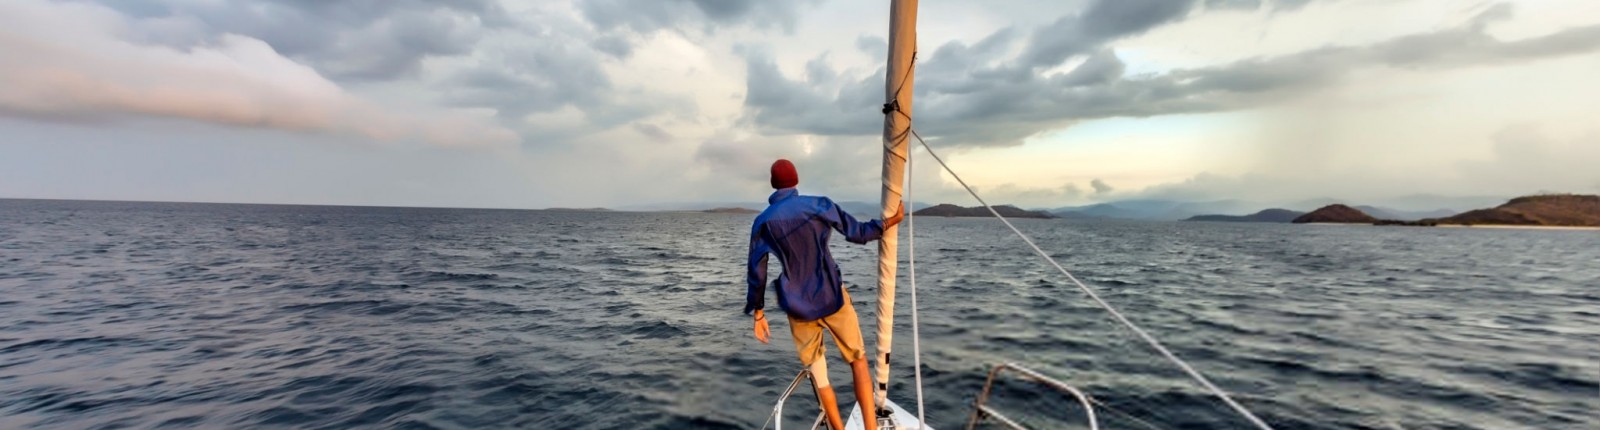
(621, 209)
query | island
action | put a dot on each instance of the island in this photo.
(1336, 214)
(1554, 210)
(739, 211)
(1545, 210)
(1268, 215)
(1008, 211)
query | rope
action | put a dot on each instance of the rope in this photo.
(1096, 297)
(911, 254)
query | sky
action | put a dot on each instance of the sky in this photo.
(619, 103)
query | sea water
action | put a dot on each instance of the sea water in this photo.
(149, 315)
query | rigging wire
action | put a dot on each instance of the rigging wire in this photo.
(1151, 340)
(1128, 416)
(893, 107)
(916, 337)
(911, 254)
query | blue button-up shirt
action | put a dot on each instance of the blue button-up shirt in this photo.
(797, 228)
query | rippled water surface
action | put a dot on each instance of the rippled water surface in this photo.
(222, 316)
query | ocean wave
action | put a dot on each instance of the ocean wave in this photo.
(315, 318)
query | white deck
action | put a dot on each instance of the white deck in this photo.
(902, 419)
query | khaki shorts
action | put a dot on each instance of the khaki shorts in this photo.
(846, 330)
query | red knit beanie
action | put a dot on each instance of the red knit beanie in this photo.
(783, 174)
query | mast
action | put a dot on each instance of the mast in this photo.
(896, 134)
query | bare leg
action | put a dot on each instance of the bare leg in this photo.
(863, 387)
(830, 407)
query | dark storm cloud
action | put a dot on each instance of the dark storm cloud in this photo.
(1460, 47)
(793, 106)
(1233, 4)
(818, 72)
(347, 40)
(1289, 4)
(645, 16)
(1100, 68)
(1255, 4)
(1100, 186)
(975, 95)
(642, 17)
(615, 45)
(955, 67)
(653, 132)
(1104, 21)
(550, 73)
(142, 8)
(529, 78)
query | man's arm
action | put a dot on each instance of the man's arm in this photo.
(756, 272)
(856, 231)
(756, 281)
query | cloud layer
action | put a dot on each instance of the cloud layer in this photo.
(81, 62)
(614, 101)
(999, 90)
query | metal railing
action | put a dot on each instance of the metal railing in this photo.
(776, 418)
(981, 411)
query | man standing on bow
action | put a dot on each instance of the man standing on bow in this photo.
(810, 290)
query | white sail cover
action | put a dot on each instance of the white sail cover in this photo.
(896, 141)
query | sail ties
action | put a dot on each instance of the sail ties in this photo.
(894, 101)
(893, 107)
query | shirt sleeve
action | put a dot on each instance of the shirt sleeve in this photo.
(854, 231)
(756, 276)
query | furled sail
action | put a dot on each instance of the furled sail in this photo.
(896, 134)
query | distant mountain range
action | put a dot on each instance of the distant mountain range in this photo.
(737, 211)
(1336, 213)
(1408, 208)
(1566, 210)
(1554, 210)
(693, 206)
(1395, 214)
(862, 210)
(1169, 210)
(1573, 210)
(1008, 211)
(1269, 215)
(1172, 210)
